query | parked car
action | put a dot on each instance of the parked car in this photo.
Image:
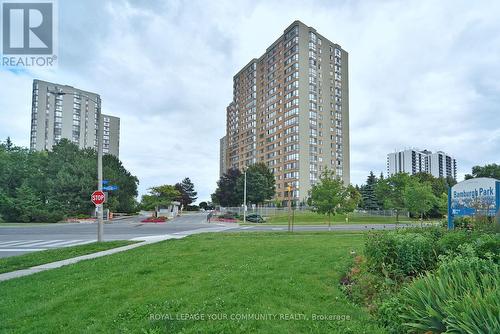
(255, 218)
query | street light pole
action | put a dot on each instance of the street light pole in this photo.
(245, 197)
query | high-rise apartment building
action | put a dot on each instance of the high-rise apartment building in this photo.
(290, 110)
(414, 161)
(222, 156)
(72, 115)
(442, 165)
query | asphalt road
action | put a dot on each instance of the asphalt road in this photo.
(15, 240)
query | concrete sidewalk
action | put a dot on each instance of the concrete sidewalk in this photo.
(62, 263)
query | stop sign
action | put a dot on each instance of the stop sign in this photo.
(97, 197)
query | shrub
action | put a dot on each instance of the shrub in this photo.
(388, 315)
(450, 241)
(436, 301)
(229, 215)
(463, 222)
(400, 254)
(487, 244)
(48, 217)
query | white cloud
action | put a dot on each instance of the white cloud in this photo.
(422, 74)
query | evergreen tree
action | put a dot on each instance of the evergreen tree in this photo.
(45, 186)
(368, 196)
(187, 193)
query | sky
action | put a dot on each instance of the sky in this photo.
(422, 74)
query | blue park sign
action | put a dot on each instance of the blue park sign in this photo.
(475, 196)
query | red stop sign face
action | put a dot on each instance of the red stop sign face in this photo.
(97, 197)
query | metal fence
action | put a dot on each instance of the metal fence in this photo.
(275, 211)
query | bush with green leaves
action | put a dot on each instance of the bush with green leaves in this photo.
(461, 296)
(400, 254)
(487, 245)
(388, 315)
(463, 222)
(450, 241)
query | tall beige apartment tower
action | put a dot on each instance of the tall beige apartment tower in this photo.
(290, 110)
(72, 116)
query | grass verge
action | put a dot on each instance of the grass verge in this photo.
(312, 218)
(24, 261)
(209, 283)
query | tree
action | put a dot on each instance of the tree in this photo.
(226, 193)
(45, 186)
(8, 144)
(491, 170)
(391, 192)
(368, 193)
(439, 186)
(123, 199)
(203, 205)
(329, 196)
(28, 204)
(260, 184)
(269, 189)
(419, 198)
(442, 204)
(160, 196)
(352, 200)
(186, 191)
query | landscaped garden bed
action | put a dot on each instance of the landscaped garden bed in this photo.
(154, 220)
(429, 280)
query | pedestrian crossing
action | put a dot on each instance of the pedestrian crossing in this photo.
(38, 245)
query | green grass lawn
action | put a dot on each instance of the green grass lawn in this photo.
(210, 275)
(24, 261)
(312, 218)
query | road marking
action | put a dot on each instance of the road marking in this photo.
(22, 249)
(83, 242)
(277, 228)
(68, 243)
(41, 243)
(17, 243)
(247, 227)
(44, 243)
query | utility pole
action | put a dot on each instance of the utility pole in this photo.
(245, 197)
(100, 223)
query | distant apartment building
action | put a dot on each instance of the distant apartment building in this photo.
(222, 156)
(72, 116)
(290, 110)
(413, 161)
